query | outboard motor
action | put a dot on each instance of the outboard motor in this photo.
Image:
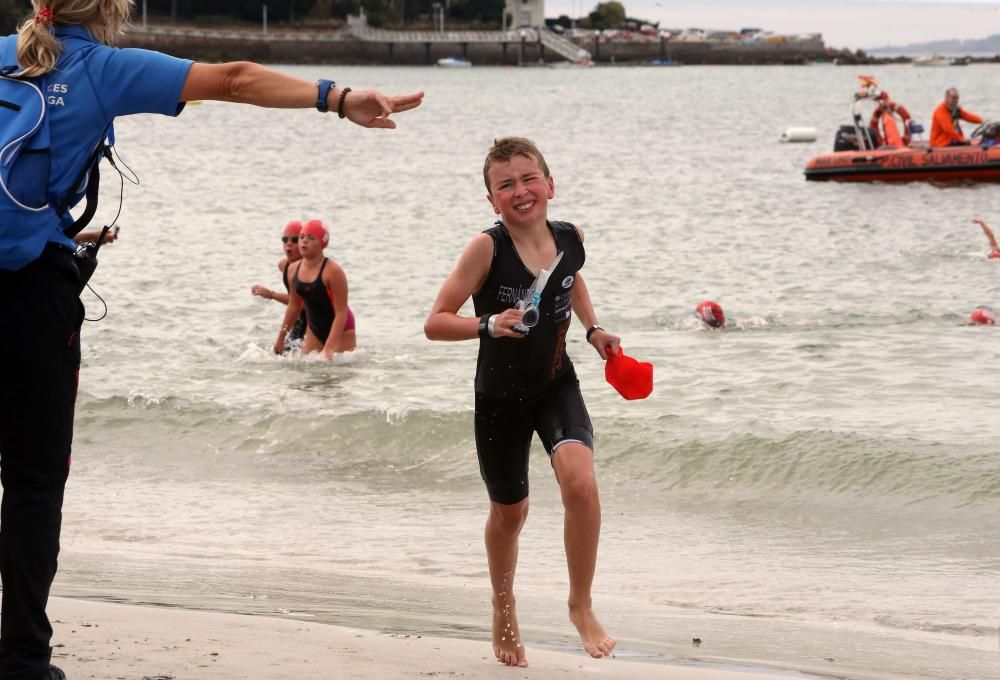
(847, 139)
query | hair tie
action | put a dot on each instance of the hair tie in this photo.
(45, 16)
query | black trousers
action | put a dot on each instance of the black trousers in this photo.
(40, 318)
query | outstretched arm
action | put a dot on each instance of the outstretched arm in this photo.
(989, 233)
(244, 82)
(970, 116)
(444, 322)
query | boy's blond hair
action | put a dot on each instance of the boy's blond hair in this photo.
(503, 150)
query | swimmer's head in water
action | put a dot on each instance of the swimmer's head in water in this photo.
(711, 314)
(317, 230)
(983, 316)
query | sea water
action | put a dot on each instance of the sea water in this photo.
(815, 487)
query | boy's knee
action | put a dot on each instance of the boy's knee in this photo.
(578, 488)
(509, 518)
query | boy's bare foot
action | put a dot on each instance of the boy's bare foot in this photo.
(507, 644)
(595, 640)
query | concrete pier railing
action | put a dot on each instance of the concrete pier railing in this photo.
(360, 44)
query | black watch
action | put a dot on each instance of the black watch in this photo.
(484, 326)
(590, 331)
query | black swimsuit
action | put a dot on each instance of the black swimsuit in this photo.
(299, 328)
(318, 303)
(527, 385)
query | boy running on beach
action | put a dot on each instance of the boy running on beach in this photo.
(525, 381)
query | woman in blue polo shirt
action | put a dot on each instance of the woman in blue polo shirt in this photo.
(63, 49)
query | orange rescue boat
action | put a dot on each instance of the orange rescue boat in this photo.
(881, 152)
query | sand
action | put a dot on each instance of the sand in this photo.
(112, 641)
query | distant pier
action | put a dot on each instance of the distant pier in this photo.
(524, 46)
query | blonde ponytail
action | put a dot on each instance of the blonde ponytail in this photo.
(38, 50)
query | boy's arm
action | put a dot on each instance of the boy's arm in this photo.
(443, 322)
(989, 232)
(605, 343)
(335, 280)
(291, 313)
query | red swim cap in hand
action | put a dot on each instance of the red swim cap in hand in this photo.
(994, 255)
(632, 379)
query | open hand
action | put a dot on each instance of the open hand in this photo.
(371, 108)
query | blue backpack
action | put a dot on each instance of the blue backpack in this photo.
(27, 211)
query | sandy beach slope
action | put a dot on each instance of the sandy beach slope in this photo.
(104, 641)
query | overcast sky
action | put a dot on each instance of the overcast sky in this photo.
(843, 23)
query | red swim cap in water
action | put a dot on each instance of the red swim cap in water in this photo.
(983, 316)
(711, 313)
(317, 229)
(633, 379)
(292, 228)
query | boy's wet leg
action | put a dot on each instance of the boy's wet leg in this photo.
(574, 466)
(503, 527)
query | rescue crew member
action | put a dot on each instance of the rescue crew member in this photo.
(945, 129)
(63, 46)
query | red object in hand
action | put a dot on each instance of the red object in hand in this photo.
(632, 379)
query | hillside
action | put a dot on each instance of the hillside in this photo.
(987, 45)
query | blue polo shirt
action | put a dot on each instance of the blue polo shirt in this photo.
(91, 85)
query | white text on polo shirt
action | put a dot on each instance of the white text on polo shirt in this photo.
(54, 90)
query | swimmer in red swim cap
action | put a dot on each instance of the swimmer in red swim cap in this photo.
(290, 244)
(982, 316)
(318, 284)
(994, 248)
(711, 314)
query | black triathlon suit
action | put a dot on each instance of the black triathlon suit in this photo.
(299, 329)
(318, 305)
(526, 385)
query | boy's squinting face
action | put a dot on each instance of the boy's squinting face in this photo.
(519, 191)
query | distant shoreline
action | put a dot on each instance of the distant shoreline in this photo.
(511, 48)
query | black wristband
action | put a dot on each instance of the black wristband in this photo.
(590, 331)
(484, 326)
(340, 105)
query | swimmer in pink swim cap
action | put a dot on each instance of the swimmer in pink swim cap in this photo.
(994, 248)
(711, 314)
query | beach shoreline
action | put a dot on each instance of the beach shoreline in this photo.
(111, 640)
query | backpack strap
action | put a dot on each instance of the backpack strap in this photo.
(8, 60)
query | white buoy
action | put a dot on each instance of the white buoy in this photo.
(799, 134)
